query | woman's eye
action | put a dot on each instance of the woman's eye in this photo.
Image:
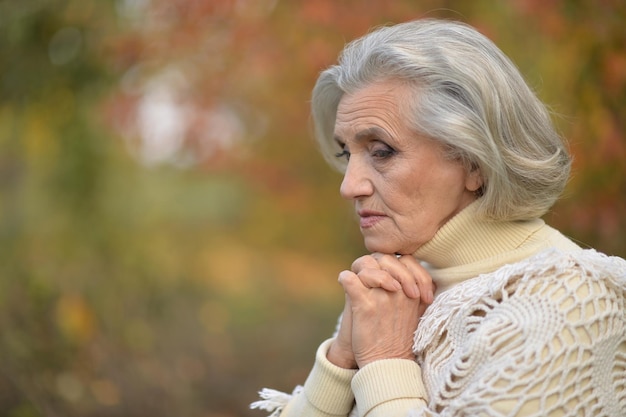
(343, 154)
(382, 153)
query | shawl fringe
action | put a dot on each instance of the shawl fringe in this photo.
(274, 401)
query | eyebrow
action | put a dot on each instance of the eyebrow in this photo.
(365, 134)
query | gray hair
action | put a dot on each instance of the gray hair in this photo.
(467, 95)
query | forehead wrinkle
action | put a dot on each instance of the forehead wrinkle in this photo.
(376, 121)
(364, 135)
(380, 109)
(370, 132)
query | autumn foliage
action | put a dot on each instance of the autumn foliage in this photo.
(170, 237)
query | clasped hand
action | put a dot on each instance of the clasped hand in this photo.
(385, 297)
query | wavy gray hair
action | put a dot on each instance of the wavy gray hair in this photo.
(469, 96)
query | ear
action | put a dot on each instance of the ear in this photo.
(474, 180)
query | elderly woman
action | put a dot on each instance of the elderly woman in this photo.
(469, 304)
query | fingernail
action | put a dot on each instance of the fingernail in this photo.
(430, 296)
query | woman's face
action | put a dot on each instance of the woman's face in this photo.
(402, 186)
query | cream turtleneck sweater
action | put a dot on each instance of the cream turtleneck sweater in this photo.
(467, 246)
(505, 291)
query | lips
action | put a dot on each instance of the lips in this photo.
(368, 218)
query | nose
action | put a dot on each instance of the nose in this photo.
(356, 182)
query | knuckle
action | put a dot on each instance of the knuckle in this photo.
(362, 262)
(372, 277)
(378, 281)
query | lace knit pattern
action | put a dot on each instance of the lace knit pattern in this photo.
(543, 337)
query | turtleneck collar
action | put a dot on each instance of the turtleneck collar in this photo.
(469, 245)
(466, 238)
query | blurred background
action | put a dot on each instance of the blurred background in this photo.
(169, 236)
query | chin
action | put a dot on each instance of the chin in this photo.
(391, 248)
(380, 247)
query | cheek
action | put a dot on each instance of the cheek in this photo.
(428, 196)
(407, 201)
(399, 195)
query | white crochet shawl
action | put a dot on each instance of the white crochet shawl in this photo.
(543, 336)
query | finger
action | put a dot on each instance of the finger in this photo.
(378, 278)
(421, 277)
(352, 285)
(367, 261)
(399, 271)
(374, 276)
(357, 286)
(340, 351)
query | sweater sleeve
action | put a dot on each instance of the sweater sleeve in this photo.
(389, 388)
(326, 392)
(385, 388)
